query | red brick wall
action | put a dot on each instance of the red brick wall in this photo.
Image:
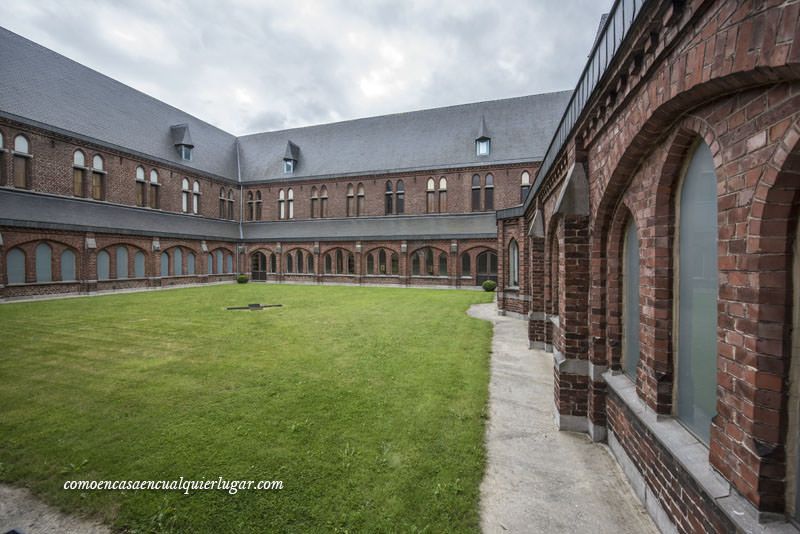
(507, 186)
(727, 73)
(51, 171)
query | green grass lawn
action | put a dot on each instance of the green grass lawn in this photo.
(368, 403)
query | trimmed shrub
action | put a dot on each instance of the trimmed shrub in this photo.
(242, 279)
(489, 285)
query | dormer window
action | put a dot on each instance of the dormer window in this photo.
(182, 140)
(483, 142)
(290, 157)
(483, 147)
(185, 152)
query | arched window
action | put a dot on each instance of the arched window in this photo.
(190, 261)
(351, 264)
(15, 266)
(422, 263)
(328, 264)
(141, 191)
(513, 264)
(395, 263)
(309, 263)
(488, 193)
(165, 264)
(485, 267)
(98, 178)
(442, 264)
(630, 301)
(360, 200)
(525, 185)
(400, 200)
(350, 200)
(218, 262)
(209, 264)
(698, 284)
(196, 197)
(382, 268)
(281, 204)
(388, 204)
(78, 173)
(103, 265)
(300, 261)
(273, 263)
(229, 263)
(442, 195)
(339, 262)
(476, 192)
(177, 262)
(290, 203)
(258, 205)
(44, 263)
(289, 263)
(466, 267)
(323, 202)
(185, 195)
(258, 266)
(138, 264)
(430, 197)
(21, 162)
(221, 202)
(231, 205)
(122, 261)
(154, 185)
(314, 201)
(251, 206)
(68, 271)
(21, 144)
(370, 264)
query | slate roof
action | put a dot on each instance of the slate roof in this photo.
(410, 227)
(40, 85)
(520, 129)
(36, 210)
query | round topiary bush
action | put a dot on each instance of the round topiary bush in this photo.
(242, 279)
(489, 285)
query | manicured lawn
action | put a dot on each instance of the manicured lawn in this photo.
(368, 403)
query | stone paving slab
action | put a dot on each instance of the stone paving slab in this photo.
(539, 479)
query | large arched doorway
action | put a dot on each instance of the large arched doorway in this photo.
(486, 267)
(258, 266)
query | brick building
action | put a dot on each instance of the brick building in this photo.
(649, 236)
(103, 188)
(656, 257)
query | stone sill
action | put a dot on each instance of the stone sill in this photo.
(692, 455)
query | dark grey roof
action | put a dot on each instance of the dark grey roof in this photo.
(521, 129)
(467, 226)
(36, 210)
(41, 85)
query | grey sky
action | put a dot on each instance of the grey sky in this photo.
(258, 65)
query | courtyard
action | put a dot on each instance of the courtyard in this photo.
(369, 404)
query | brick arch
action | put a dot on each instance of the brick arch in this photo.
(614, 250)
(768, 298)
(423, 247)
(390, 248)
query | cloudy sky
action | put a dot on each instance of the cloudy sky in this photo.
(257, 65)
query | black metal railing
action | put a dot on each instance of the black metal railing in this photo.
(620, 19)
